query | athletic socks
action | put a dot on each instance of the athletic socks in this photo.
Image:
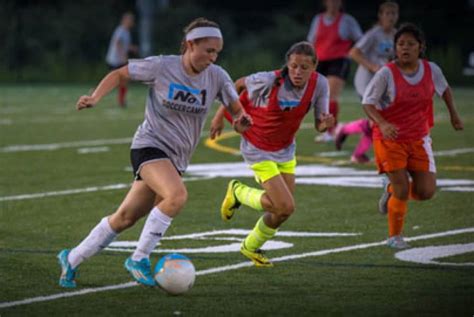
(260, 234)
(397, 210)
(249, 196)
(99, 238)
(155, 227)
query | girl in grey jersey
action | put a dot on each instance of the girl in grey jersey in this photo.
(277, 102)
(181, 91)
(371, 52)
(119, 47)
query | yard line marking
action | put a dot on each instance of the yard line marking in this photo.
(236, 266)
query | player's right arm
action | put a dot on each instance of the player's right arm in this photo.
(107, 84)
(217, 123)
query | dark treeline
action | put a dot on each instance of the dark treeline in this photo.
(67, 40)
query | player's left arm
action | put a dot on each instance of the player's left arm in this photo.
(444, 91)
(456, 121)
(323, 119)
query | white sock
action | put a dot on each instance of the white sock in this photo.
(155, 227)
(99, 238)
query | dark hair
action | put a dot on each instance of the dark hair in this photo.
(199, 22)
(417, 33)
(303, 48)
(388, 4)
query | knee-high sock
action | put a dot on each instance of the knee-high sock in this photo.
(354, 127)
(260, 234)
(334, 110)
(155, 228)
(249, 196)
(363, 146)
(397, 210)
(99, 238)
(121, 94)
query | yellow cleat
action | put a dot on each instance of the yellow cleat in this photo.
(230, 203)
(257, 256)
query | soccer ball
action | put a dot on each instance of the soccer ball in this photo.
(175, 274)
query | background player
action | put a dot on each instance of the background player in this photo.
(399, 99)
(371, 52)
(332, 33)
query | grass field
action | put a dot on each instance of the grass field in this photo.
(61, 171)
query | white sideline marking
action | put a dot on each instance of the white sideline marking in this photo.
(236, 266)
(65, 192)
(63, 145)
(94, 149)
(56, 146)
(80, 190)
(453, 152)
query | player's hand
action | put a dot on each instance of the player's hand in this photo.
(242, 123)
(85, 102)
(457, 123)
(327, 120)
(217, 125)
(388, 130)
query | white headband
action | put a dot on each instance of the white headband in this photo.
(201, 32)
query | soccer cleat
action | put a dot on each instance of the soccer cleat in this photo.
(360, 159)
(230, 203)
(68, 274)
(383, 201)
(340, 137)
(140, 271)
(397, 242)
(325, 137)
(257, 256)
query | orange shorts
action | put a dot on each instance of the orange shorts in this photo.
(414, 156)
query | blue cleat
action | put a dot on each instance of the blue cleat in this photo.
(68, 274)
(140, 271)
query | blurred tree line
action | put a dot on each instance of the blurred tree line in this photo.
(66, 41)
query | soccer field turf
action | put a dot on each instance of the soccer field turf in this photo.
(63, 170)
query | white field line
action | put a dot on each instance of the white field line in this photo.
(57, 146)
(236, 266)
(64, 192)
(82, 190)
(64, 145)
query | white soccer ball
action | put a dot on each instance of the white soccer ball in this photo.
(175, 274)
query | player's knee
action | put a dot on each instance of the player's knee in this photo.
(286, 209)
(425, 194)
(401, 192)
(177, 199)
(122, 221)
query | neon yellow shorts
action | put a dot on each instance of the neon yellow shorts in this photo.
(267, 169)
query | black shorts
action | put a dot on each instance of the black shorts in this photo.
(335, 67)
(140, 156)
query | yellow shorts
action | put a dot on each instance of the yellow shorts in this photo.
(267, 169)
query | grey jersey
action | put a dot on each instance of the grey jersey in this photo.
(349, 29)
(177, 104)
(259, 86)
(119, 45)
(377, 48)
(381, 89)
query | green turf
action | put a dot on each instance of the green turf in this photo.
(369, 281)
